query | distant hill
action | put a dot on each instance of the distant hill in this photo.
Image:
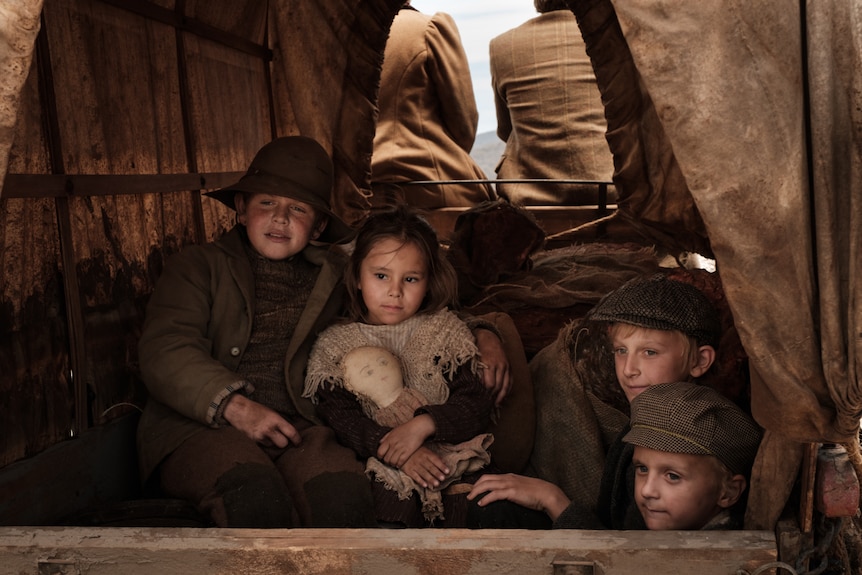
(487, 151)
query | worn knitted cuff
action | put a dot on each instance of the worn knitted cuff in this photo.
(215, 412)
(474, 323)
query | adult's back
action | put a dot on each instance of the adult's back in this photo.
(549, 110)
(427, 115)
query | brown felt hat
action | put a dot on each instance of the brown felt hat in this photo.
(657, 302)
(294, 167)
(697, 420)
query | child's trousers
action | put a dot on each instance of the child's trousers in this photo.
(238, 483)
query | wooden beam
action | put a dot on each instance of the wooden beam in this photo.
(552, 219)
(74, 311)
(806, 498)
(68, 185)
(182, 22)
(134, 551)
(189, 134)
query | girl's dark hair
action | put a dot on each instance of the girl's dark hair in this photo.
(406, 225)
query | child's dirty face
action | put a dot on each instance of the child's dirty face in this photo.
(393, 279)
(645, 357)
(278, 227)
(676, 490)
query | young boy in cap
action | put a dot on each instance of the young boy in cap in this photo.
(660, 331)
(693, 451)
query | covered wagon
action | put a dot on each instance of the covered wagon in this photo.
(736, 130)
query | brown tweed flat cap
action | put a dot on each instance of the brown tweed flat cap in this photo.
(657, 302)
(697, 420)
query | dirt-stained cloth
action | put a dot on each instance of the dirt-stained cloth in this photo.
(19, 25)
(462, 459)
(574, 428)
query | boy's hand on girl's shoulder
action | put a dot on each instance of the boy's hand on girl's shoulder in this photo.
(425, 468)
(401, 442)
(494, 364)
(259, 422)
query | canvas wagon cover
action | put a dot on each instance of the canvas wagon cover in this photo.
(736, 129)
(753, 112)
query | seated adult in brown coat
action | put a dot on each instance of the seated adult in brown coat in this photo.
(549, 110)
(427, 116)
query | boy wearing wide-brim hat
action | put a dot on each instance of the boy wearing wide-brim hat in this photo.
(294, 167)
(224, 348)
(692, 457)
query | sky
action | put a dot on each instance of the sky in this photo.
(478, 21)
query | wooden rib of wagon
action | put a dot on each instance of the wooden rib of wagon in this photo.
(735, 132)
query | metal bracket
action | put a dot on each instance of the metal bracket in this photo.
(57, 567)
(566, 565)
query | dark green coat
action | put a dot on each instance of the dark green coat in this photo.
(197, 327)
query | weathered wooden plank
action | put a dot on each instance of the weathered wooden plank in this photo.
(242, 18)
(36, 405)
(115, 81)
(382, 552)
(239, 27)
(229, 115)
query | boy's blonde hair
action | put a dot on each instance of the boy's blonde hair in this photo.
(688, 343)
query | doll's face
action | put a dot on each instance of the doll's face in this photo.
(374, 372)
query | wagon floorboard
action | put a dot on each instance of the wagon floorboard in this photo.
(133, 551)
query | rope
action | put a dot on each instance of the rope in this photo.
(853, 453)
(839, 551)
(768, 566)
(855, 457)
(833, 526)
(104, 413)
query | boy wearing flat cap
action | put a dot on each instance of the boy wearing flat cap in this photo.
(693, 451)
(223, 352)
(661, 331)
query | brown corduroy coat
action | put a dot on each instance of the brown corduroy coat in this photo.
(197, 327)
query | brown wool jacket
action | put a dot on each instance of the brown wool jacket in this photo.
(549, 111)
(428, 118)
(197, 326)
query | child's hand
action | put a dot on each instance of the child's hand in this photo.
(425, 468)
(526, 491)
(495, 364)
(403, 441)
(259, 422)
